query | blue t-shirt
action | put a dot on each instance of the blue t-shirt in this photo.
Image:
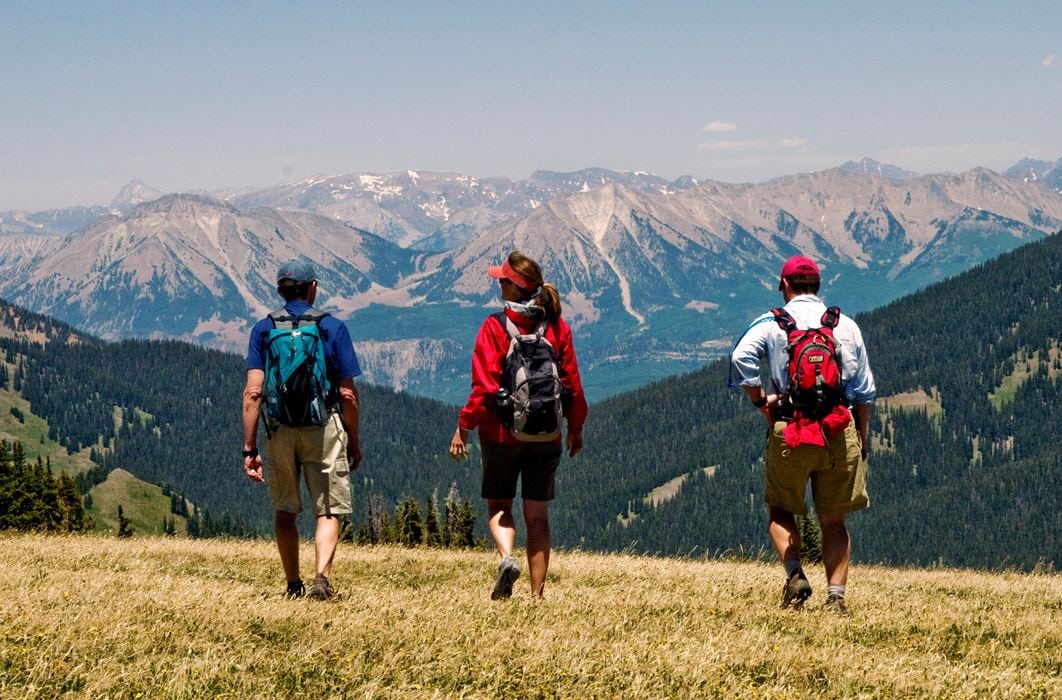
(340, 358)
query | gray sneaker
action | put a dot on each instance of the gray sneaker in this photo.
(835, 604)
(320, 589)
(796, 591)
(508, 572)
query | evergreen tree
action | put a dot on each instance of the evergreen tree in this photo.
(124, 529)
(49, 514)
(432, 533)
(378, 524)
(451, 506)
(408, 524)
(193, 526)
(464, 529)
(810, 538)
(71, 508)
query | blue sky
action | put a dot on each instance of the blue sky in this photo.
(210, 95)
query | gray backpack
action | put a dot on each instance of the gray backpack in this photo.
(531, 399)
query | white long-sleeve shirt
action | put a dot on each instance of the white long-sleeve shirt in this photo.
(764, 339)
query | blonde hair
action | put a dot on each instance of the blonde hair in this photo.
(549, 298)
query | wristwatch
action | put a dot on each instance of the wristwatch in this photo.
(250, 453)
(761, 402)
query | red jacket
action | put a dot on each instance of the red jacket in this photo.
(492, 343)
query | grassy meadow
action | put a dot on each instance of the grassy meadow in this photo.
(93, 616)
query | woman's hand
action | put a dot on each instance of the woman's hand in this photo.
(459, 444)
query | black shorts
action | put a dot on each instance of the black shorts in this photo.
(534, 463)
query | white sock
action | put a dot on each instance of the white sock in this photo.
(835, 589)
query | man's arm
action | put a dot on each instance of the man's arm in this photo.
(765, 403)
(252, 410)
(745, 364)
(350, 410)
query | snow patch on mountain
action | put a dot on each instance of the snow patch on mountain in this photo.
(701, 306)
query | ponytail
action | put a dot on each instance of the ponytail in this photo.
(549, 301)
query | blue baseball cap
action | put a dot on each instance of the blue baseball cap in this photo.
(296, 271)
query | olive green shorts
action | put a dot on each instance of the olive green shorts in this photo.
(319, 454)
(837, 472)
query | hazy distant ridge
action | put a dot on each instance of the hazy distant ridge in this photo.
(657, 277)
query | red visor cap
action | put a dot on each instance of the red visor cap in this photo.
(505, 271)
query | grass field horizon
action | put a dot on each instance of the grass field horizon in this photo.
(94, 616)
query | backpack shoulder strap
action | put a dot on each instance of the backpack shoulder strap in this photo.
(314, 315)
(785, 321)
(507, 324)
(282, 319)
(830, 317)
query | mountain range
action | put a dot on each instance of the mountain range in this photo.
(1045, 172)
(657, 277)
(964, 468)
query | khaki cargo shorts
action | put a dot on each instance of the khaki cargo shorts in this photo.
(838, 474)
(319, 453)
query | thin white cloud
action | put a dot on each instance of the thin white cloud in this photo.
(1051, 61)
(723, 146)
(752, 145)
(719, 127)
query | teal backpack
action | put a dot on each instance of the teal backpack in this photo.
(297, 390)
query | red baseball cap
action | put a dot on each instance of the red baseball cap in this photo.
(505, 271)
(798, 266)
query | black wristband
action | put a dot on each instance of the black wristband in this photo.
(761, 402)
(250, 453)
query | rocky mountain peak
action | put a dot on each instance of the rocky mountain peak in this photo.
(176, 203)
(134, 193)
(869, 166)
(1044, 172)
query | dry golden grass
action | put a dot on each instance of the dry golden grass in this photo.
(90, 616)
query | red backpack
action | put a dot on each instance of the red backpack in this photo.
(814, 366)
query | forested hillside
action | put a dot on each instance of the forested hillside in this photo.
(976, 483)
(169, 413)
(965, 469)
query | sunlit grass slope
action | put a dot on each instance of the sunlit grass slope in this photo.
(142, 503)
(32, 432)
(91, 616)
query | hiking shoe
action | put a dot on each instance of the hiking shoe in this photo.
(508, 572)
(835, 604)
(295, 590)
(796, 591)
(320, 589)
